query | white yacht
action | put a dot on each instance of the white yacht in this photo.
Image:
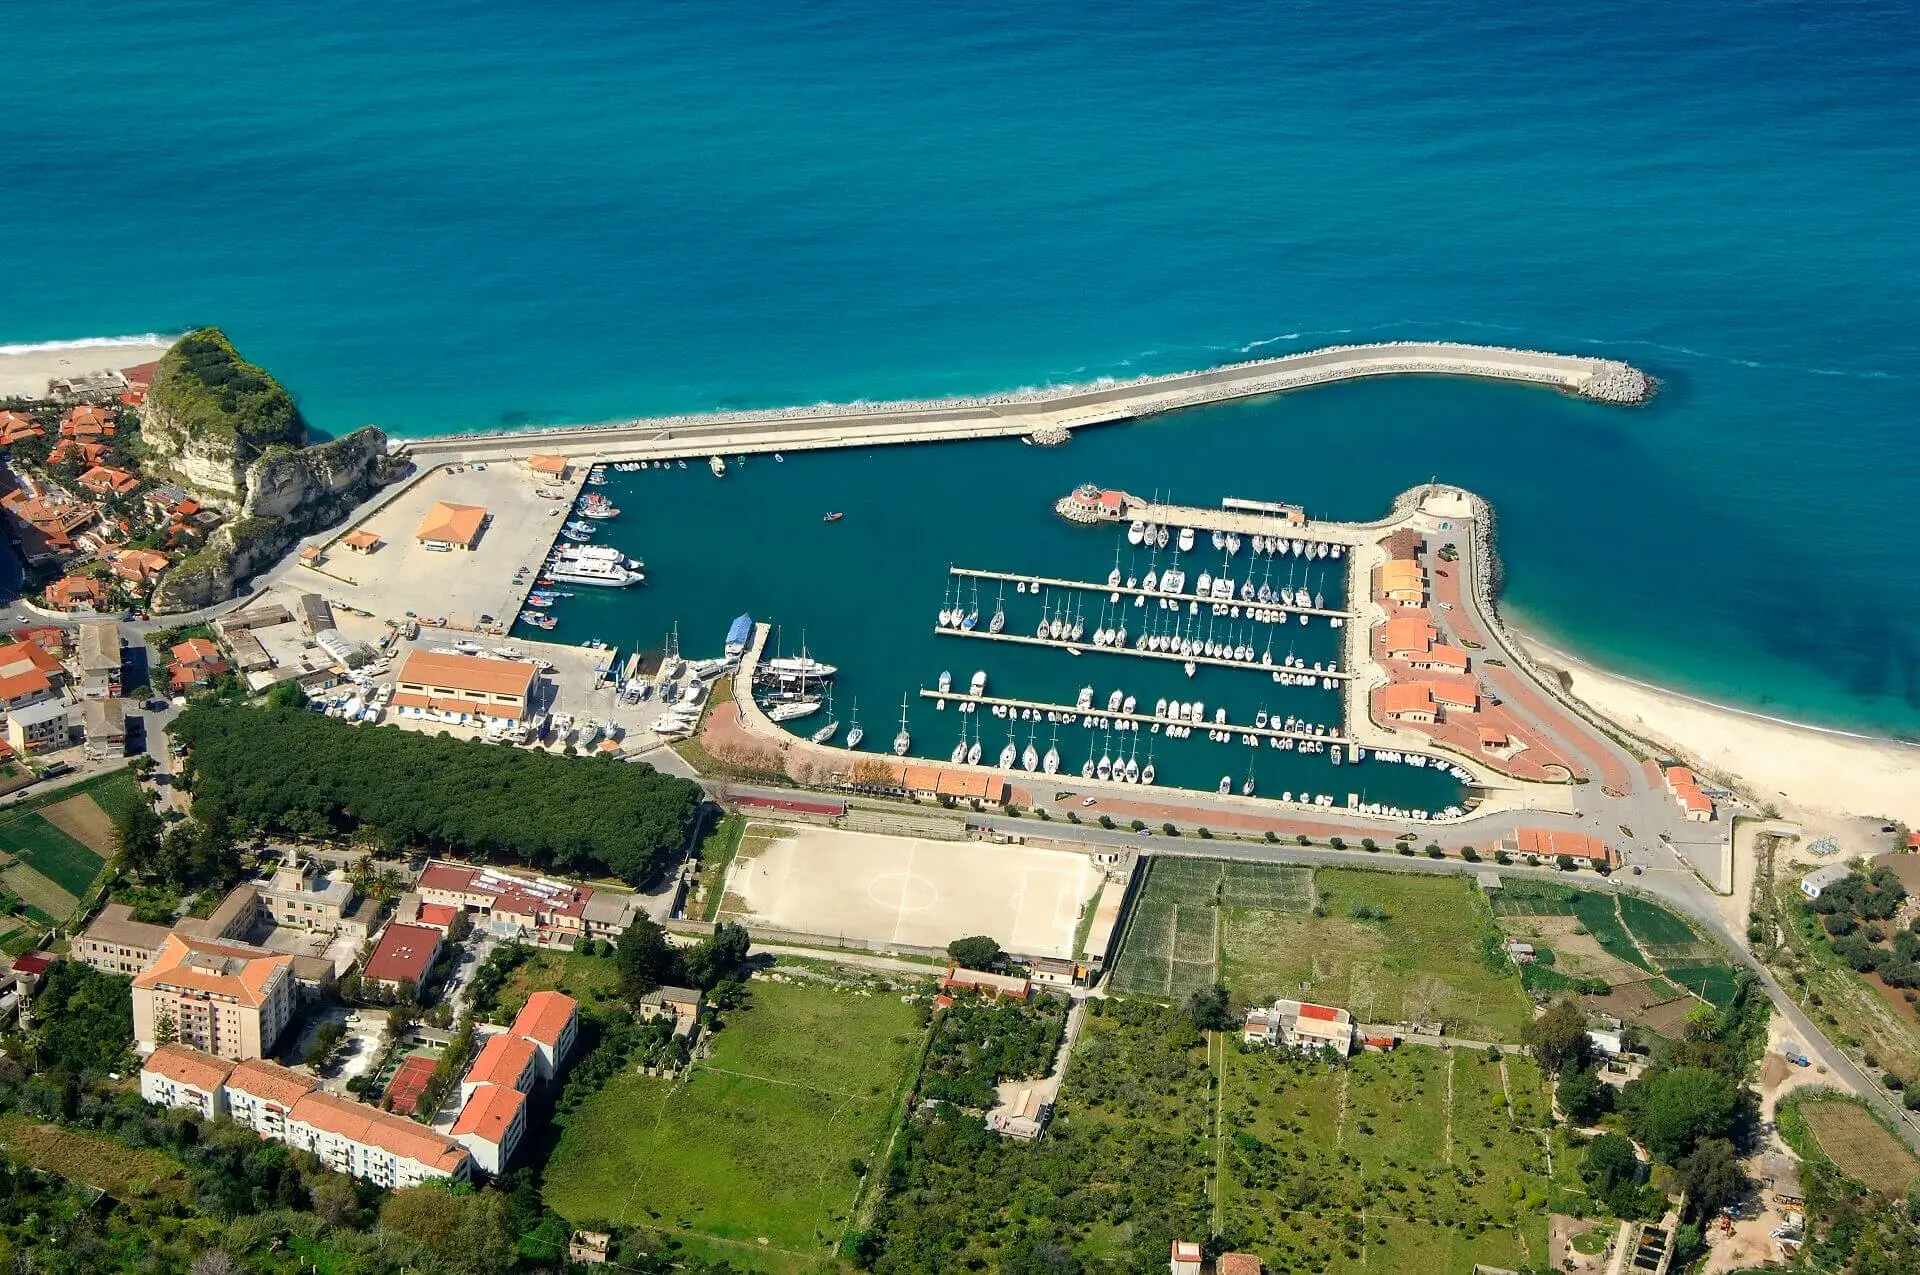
(789, 710)
(979, 684)
(718, 466)
(1186, 539)
(1007, 753)
(1136, 532)
(856, 732)
(795, 668)
(1051, 762)
(1030, 760)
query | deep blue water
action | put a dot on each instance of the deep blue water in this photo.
(441, 216)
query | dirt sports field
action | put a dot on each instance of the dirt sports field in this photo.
(919, 893)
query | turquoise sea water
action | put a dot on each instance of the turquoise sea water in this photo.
(442, 217)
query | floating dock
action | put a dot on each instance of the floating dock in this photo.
(1236, 728)
(1015, 577)
(1209, 661)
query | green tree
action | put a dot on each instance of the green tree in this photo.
(1585, 1097)
(1610, 1162)
(1558, 1038)
(645, 959)
(1679, 1108)
(135, 839)
(977, 953)
(1710, 1175)
(1209, 1009)
(717, 956)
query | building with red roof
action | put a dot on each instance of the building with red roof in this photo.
(491, 1124)
(180, 1076)
(506, 1059)
(1550, 843)
(77, 593)
(403, 957)
(551, 1022)
(1408, 702)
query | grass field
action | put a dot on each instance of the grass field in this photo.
(1391, 947)
(1860, 1147)
(62, 840)
(594, 981)
(45, 902)
(1653, 926)
(83, 819)
(1418, 1161)
(752, 1157)
(51, 852)
(1711, 981)
(98, 1161)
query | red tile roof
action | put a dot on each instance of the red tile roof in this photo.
(375, 1128)
(404, 952)
(1547, 841)
(490, 1112)
(1406, 697)
(544, 1017)
(270, 1081)
(504, 1060)
(188, 1066)
(1320, 1012)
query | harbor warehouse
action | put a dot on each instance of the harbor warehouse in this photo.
(475, 685)
(450, 526)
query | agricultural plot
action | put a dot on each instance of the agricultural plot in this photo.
(93, 1159)
(1711, 981)
(1860, 1147)
(1408, 1162)
(51, 852)
(1390, 947)
(44, 901)
(751, 1157)
(1655, 927)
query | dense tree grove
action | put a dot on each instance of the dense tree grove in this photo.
(1117, 1155)
(1856, 918)
(205, 385)
(83, 1020)
(979, 1043)
(302, 773)
(646, 960)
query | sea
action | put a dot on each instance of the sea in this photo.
(443, 217)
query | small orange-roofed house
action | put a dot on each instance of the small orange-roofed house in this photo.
(1404, 581)
(138, 566)
(1408, 635)
(1408, 702)
(506, 1059)
(1186, 1258)
(77, 593)
(361, 541)
(1440, 658)
(451, 526)
(1462, 693)
(552, 468)
(994, 985)
(105, 480)
(1238, 1264)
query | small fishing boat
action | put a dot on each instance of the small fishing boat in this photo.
(534, 619)
(833, 517)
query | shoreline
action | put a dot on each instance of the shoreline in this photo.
(1832, 781)
(26, 367)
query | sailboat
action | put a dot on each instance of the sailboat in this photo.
(973, 749)
(856, 732)
(1007, 753)
(1051, 762)
(999, 620)
(1246, 789)
(972, 619)
(832, 727)
(902, 741)
(1030, 760)
(1104, 767)
(1132, 772)
(1146, 771)
(959, 753)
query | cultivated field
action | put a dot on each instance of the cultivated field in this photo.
(903, 890)
(92, 1159)
(82, 819)
(1860, 1147)
(1390, 947)
(52, 849)
(751, 1158)
(46, 902)
(1423, 1160)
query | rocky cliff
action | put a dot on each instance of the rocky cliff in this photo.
(210, 414)
(287, 493)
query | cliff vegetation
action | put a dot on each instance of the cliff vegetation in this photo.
(209, 391)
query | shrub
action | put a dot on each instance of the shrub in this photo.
(1338, 843)
(1434, 851)
(1271, 838)
(1106, 821)
(1205, 834)
(1304, 839)
(1469, 854)
(1169, 830)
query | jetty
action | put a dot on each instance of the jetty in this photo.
(1046, 414)
(1099, 713)
(1135, 591)
(1172, 657)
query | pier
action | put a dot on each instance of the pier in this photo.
(1134, 591)
(1050, 410)
(1235, 728)
(1210, 661)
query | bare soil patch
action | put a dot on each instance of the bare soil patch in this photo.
(1861, 1147)
(82, 819)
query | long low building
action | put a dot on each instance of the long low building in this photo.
(537, 910)
(288, 1106)
(466, 685)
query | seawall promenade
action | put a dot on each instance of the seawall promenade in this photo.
(848, 425)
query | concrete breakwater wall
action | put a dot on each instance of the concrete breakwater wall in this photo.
(1049, 410)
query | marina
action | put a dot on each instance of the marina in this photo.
(1088, 717)
(1033, 582)
(1280, 671)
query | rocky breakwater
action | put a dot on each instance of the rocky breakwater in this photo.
(225, 428)
(1615, 382)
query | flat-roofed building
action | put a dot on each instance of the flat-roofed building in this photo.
(115, 943)
(1816, 882)
(451, 526)
(225, 998)
(387, 1150)
(103, 724)
(530, 909)
(304, 896)
(475, 685)
(490, 1125)
(99, 659)
(261, 1094)
(181, 1076)
(40, 727)
(550, 1021)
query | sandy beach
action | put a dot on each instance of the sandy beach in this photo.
(25, 369)
(1829, 781)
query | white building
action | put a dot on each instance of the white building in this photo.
(1820, 878)
(491, 1124)
(385, 1149)
(1301, 1025)
(180, 1076)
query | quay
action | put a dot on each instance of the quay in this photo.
(1051, 410)
(1015, 577)
(1236, 728)
(1210, 661)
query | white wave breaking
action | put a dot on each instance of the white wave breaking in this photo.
(88, 343)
